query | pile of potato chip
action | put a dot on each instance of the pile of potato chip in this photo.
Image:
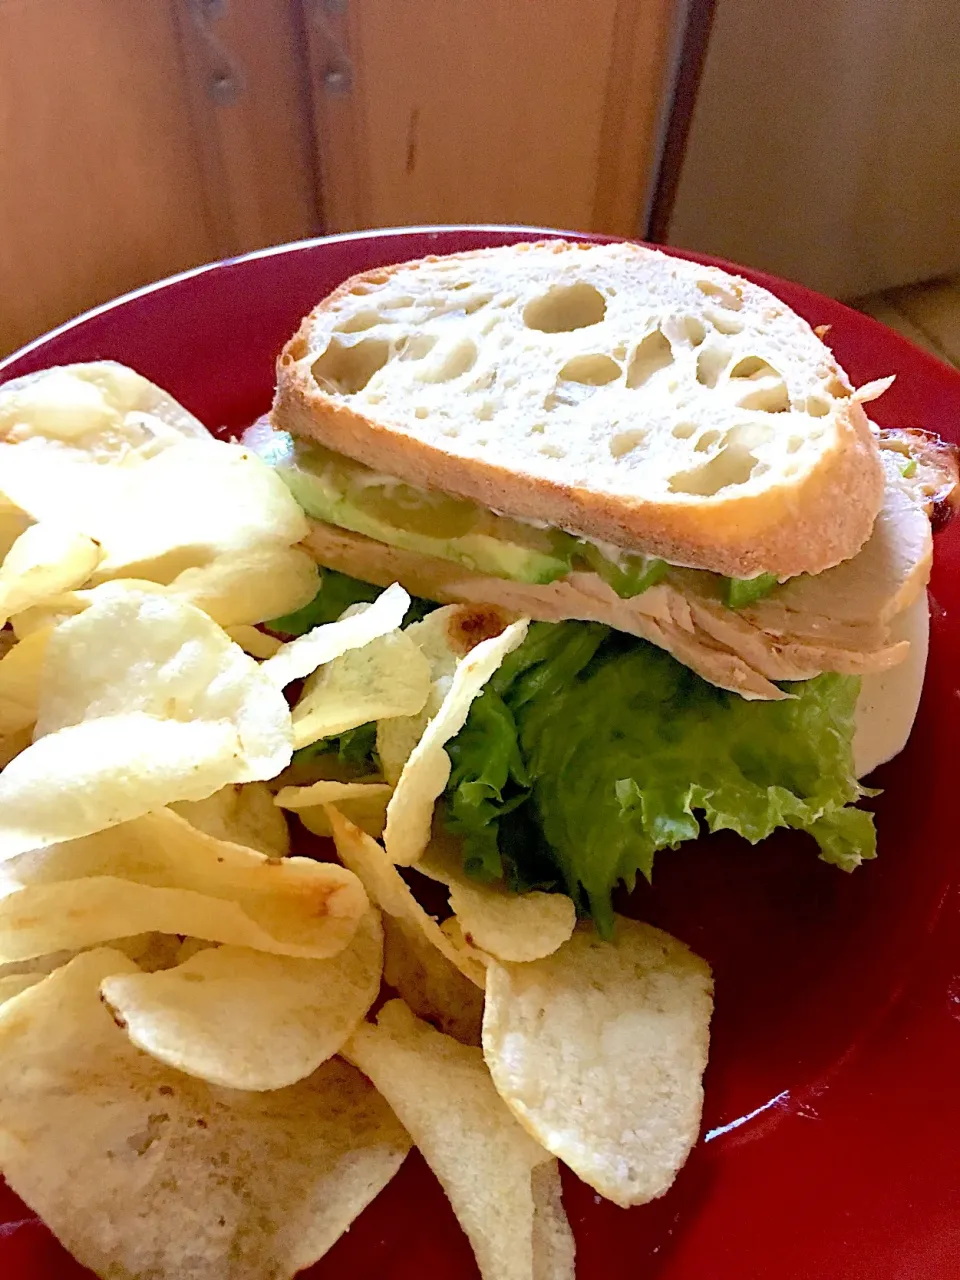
(199, 1073)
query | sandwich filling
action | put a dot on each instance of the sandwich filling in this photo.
(738, 634)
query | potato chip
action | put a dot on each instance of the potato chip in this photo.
(247, 1019)
(21, 674)
(387, 888)
(12, 984)
(138, 652)
(235, 590)
(160, 874)
(13, 522)
(357, 627)
(425, 774)
(443, 1096)
(183, 508)
(95, 775)
(144, 1171)
(145, 948)
(429, 982)
(105, 410)
(599, 1051)
(243, 814)
(363, 803)
(387, 677)
(12, 744)
(46, 559)
(510, 926)
(444, 636)
(250, 586)
(253, 641)
(554, 1248)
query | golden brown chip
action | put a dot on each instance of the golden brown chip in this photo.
(429, 982)
(21, 676)
(599, 1051)
(14, 983)
(242, 814)
(358, 626)
(159, 873)
(143, 1171)
(387, 888)
(46, 559)
(442, 1094)
(425, 774)
(257, 643)
(510, 926)
(363, 803)
(247, 1019)
(389, 676)
(145, 701)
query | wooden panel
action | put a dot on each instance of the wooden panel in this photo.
(255, 135)
(99, 182)
(488, 110)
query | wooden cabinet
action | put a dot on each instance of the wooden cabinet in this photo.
(119, 163)
(141, 137)
(545, 112)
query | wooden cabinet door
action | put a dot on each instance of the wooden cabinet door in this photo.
(535, 111)
(123, 155)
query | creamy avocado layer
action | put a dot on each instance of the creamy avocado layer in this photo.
(342, 492)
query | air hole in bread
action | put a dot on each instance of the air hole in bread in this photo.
(818, 406)
(730, 298)
(552, 451)
(450, 362)
(416, 346)
(594, 370)
(733, 465)
(753, 367)
(565, 308)
(360, 321)
(463, 284)
(538, 429)
(421, 411)
(836, 389)
(707, 441)
(683, 430)
(771, 396)
(794, 443)
(711, 362)
(400, 303)
(724, 323)
(653, 353)
(626, 441)
(347, 367)
(484, 412)
(620, 351)
(472, 305)
(694, 330)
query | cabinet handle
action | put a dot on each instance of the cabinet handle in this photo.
(327, 16)
(225, 81)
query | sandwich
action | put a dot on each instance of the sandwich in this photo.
(665, 468)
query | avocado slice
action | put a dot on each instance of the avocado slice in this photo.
(340, 491)
(336, 489)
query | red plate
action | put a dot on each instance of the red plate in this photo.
(832, 1118)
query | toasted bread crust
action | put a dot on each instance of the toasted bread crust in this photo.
(817, 518)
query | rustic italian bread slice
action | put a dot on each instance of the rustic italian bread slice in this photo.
(612, 390)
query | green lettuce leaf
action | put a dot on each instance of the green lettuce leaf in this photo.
(590, 751)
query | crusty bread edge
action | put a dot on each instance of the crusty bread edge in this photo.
(824, 517)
